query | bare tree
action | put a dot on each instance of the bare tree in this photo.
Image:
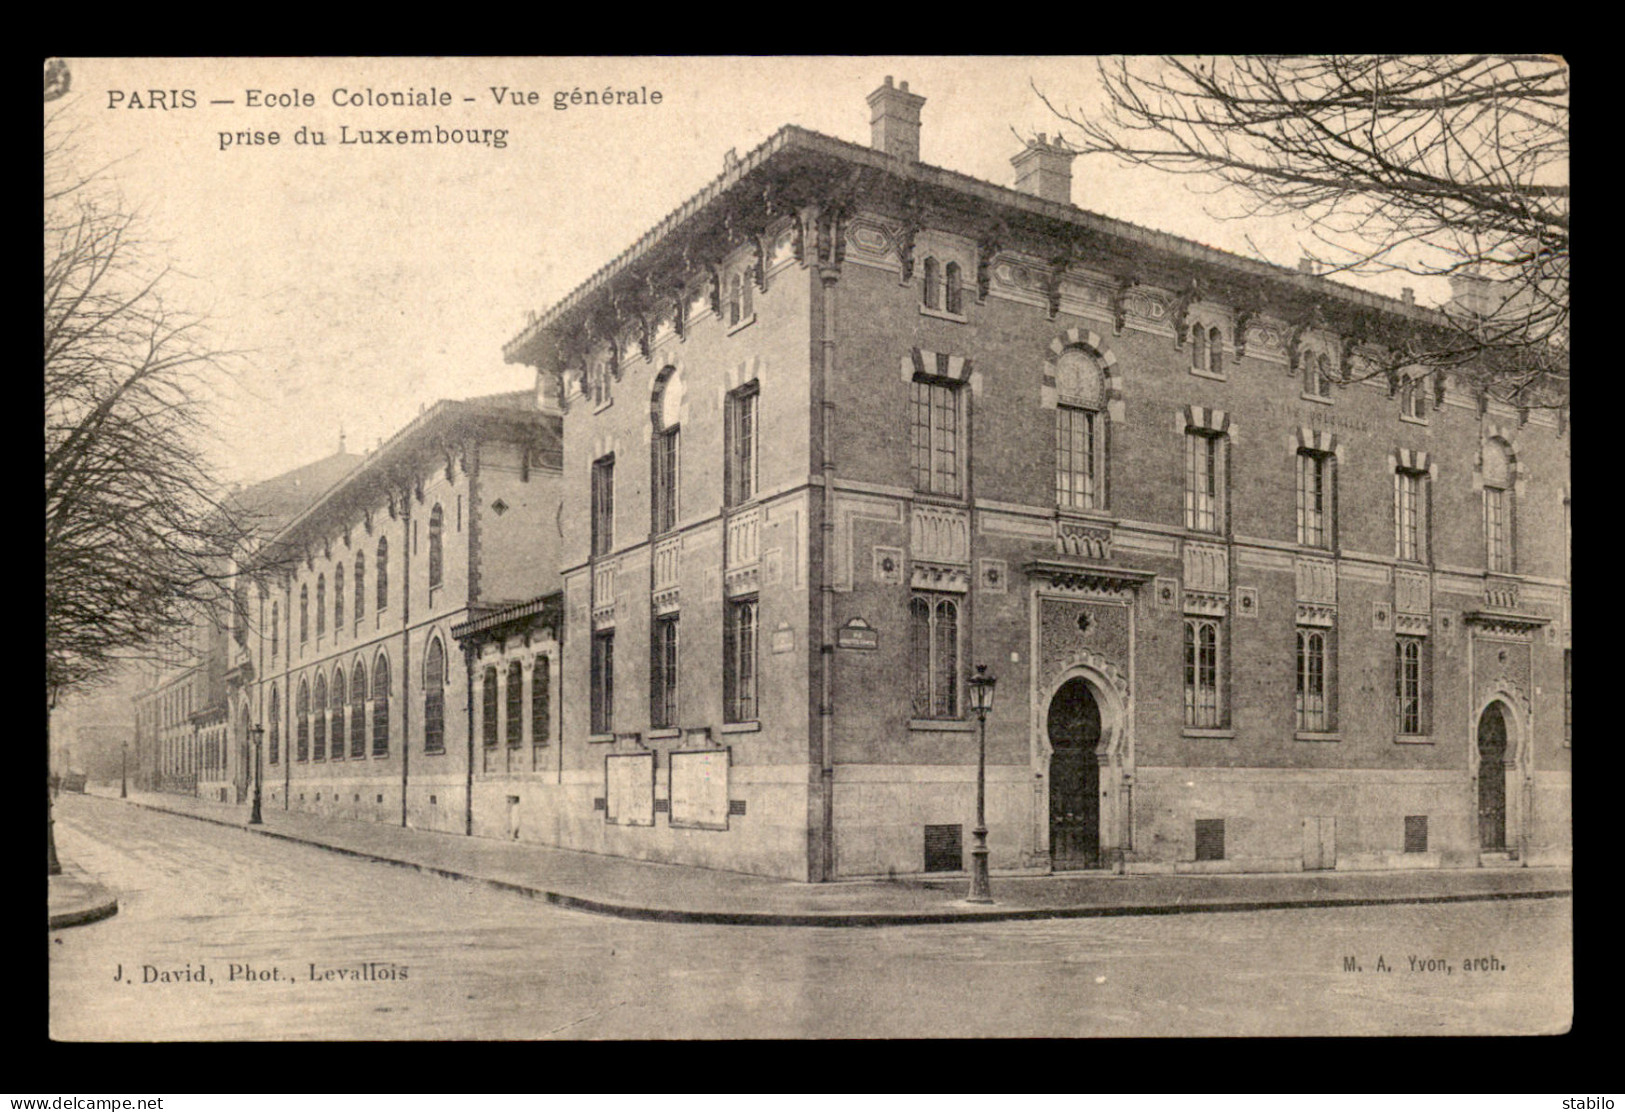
(138, 536)
(1453, 166)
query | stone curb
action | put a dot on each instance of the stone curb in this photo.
(103, 906)
(874, 918)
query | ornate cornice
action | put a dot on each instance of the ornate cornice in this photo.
(1504, 622)
(1084, 576)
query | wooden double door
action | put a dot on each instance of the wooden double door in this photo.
(1074, 777)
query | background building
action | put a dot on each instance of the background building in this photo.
(844, 425)
(350, 663)
(184, 737)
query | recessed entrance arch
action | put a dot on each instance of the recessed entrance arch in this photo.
(1073, 725)
(1492, 781)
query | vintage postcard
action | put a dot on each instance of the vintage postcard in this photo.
(810, 547)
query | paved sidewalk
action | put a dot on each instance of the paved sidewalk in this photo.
(675, 893)
(74, 898)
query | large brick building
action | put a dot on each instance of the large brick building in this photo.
(845, 425)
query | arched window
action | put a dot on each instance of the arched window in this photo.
(276, 725)
(437, 526)
(540, 717)
(516, 704)
(1215, 351)
(1198, 347)
(358, 710)
(360, 585)
(383, 573)
(1413, 402)
(434, 698)
(934, 637)
(321, 604)
(950, 288)
(1202, 704)
(380, 706)
(340, 704)
(338, 599)
(304, 613)
(488, 704)
(931, 286)
(318, 712)
(1312, 704)
(276, 623)
(301, 714)
(1079, 431)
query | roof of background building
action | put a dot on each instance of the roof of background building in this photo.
(513, 405)
(273, 503)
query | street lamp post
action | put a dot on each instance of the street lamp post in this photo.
(258, 733)
(981, 692)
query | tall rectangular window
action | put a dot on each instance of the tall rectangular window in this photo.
(1204, 481)
(663, 674)
(1410, 516)
(1075, 458)
(1410, 695)
(1498, 551)
(666, 475)
(934, 436)
(514, 705)
(739, 661)
(603, 682)
(603, 506)
(1314, 499)
(741, 447)
(1203, 705)
(934, 654)
(488, 708)
(1316, 661)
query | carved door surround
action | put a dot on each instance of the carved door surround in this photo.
(1109, 687)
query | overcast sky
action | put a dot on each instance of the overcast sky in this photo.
(368, 281)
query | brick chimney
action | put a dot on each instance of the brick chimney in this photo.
(1044, 169)
(894, 122)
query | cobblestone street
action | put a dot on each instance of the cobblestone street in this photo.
(421, 957)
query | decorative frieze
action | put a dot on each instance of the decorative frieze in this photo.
(1411, 593)
(1317, 580)
(1501, 594)
(743, 581)
(744, 545)
(1078, 538)
(1418, 625)
(888, 564)
(939, 533)
(1210, 603)
(1207, 567)
(1310, 614)
(668, 564)
(993, 576)
(938, 577)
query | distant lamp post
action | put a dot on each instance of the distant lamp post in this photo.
(258, 734)
(124, 771)
(981, 696)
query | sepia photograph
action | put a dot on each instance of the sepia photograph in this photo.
(846, 547)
